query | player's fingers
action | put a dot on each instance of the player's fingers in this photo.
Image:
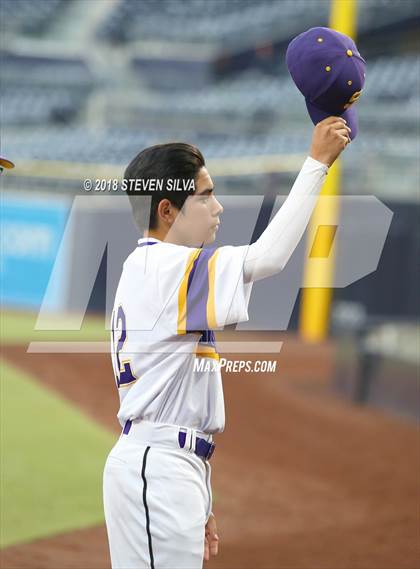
(206, 549)
(331, 120)
(211, 527)
(343, 132)
(340, 126)
(345, 139)
(211, 536)
(214, 545)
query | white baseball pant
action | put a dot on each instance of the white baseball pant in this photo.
(157, 499)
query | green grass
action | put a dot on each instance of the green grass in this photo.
(18, 327)
(52, 458)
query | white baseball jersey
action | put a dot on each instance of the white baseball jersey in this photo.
(169, 300)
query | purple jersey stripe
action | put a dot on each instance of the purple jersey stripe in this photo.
(127, 427)
(147, 243)
(197, 292)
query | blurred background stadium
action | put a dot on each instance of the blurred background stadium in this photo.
(85, 85)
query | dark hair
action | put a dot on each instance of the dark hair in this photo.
(174, 160)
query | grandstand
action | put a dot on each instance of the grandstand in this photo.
(150, 70)
(235, 22)
(29, 18)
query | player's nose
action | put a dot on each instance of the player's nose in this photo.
(218, 207)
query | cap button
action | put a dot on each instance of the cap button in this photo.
(349, 52)
(320, 40)
(328, 68)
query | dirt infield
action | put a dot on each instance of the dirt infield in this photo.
(301, 480)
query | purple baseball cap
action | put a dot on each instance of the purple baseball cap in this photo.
(330, 73)
(5, 163)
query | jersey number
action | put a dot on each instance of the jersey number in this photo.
(123, 374)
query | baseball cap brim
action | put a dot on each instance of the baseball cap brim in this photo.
(350, 116)
(5, 163)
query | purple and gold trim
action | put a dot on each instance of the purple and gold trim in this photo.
(183, 291)
(203, 351)
(206, 347)
(196, 298)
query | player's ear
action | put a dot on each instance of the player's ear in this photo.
(167, 212)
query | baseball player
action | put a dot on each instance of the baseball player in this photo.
(173, 293)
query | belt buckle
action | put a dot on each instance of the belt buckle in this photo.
(210, 451)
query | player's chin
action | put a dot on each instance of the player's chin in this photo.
(211, 238)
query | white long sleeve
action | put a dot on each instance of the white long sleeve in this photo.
(270, 253)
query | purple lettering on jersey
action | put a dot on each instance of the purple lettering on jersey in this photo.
(123, 371)
(198, 291)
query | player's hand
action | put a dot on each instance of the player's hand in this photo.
(211, 539)
(329, 139)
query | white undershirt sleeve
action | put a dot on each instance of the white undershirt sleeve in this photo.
(270, 253)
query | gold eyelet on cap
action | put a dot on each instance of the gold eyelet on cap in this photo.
(350, 82)
(320, 40)
(328, 68)
(349, 52)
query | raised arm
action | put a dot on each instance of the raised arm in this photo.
(270, 253)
